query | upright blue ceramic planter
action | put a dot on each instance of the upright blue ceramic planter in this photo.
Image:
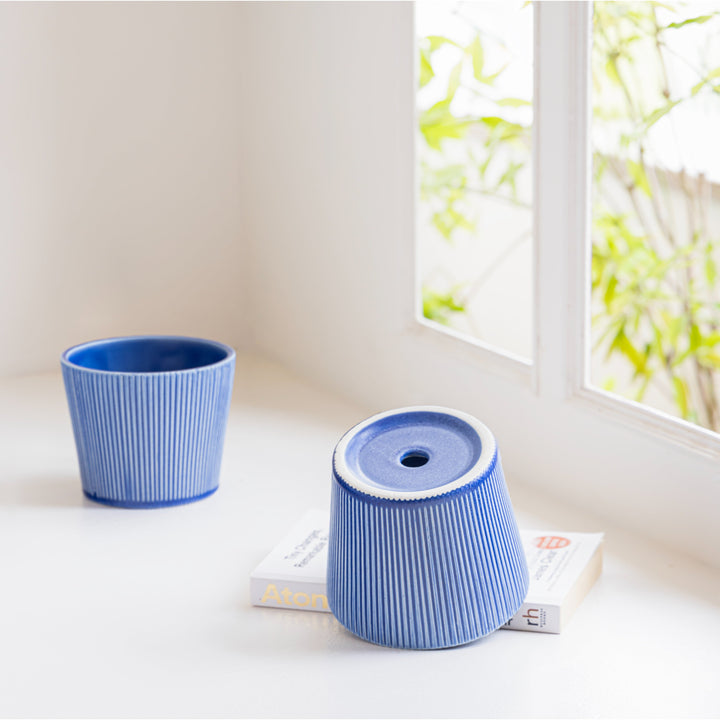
(149, 416)
(424, 550)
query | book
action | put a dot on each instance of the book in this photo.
(563, 567)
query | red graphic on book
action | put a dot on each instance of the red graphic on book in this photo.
(551, 542)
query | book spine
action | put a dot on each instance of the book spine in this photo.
(295, 595)
(290, 595)
(535, 617)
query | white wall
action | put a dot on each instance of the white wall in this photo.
(121, 136)
(332, 184)
(214, 169)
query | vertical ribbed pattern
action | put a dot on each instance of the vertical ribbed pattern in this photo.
(426, 573)
(149, 439)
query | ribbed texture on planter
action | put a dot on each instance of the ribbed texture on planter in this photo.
(426, 573)
(149, 439)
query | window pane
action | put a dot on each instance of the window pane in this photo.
(656, 205)
(475, 217)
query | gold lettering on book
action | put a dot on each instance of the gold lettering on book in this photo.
(318, 601)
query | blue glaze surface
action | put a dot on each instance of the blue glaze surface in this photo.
(147, 505)
(149, 354)
(424, 572)
(413, 451)
(155, 438)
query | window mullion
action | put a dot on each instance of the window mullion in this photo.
(561, 162)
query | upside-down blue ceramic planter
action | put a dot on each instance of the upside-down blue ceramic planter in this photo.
(424, 550)
(149, 416)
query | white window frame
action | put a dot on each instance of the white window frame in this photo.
(561, 240)
(579, 252)
(670, 462)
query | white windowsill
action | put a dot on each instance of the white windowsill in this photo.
(146, 613)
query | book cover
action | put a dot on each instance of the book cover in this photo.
(563, 567)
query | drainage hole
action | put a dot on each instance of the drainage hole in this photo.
(414, 458)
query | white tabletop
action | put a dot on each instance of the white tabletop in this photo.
(107, 612)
